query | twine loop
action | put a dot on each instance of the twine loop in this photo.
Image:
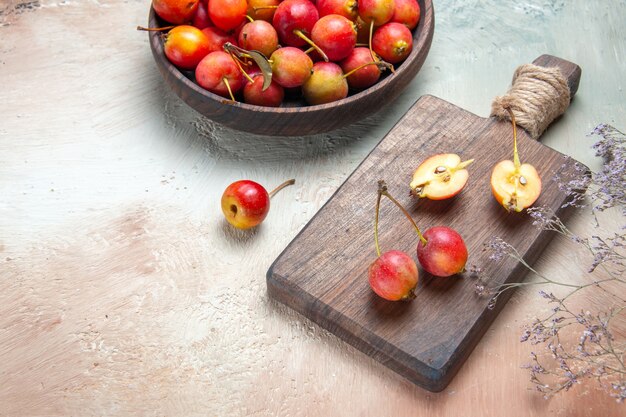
(537, 96)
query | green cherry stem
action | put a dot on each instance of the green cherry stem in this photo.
(281, 186)
(516, 160)
(305, 38)
(370, 40)
(249, 18)
(232, 97)
(380, 195)
(382, 65)
(382, 190)
(238, 63)
(256, 56)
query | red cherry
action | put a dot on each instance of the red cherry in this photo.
(326, 84)
(175, 11)
(185, 46)
(366, 75)
(262, 9)
(406, 12)
(217, 38)
(259, 36)
(345, 8)
(217, 72)
(335, 35)
(253, 93)
(444, 253)
(227, 14)
(291, 67)
(201, 18)
(393, 276)
(377, 11)
(393, 42)
(245, 204)
(293, 16)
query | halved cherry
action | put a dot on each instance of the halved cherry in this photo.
(439, 177)
(515, 186)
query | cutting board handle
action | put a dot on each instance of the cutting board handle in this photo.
(539, 94)
(571, 72)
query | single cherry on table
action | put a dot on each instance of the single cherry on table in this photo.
(245, 203)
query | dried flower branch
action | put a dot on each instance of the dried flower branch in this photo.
(579, 345)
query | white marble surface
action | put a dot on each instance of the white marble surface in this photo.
(122, 290)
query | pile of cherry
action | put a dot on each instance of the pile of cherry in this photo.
(258, 50)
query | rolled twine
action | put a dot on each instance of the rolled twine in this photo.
(537, 96)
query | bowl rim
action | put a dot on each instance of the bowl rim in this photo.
(423, 35)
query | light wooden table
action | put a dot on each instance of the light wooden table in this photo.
(122, 291)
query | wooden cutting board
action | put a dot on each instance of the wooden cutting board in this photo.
(323, 272)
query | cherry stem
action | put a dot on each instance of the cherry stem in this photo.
(376, 220)
(264, 7)
(382, 65)
(302, 36)
(516, 160)
(463, 165)
(163, 29)
(370, 41)
(249, 18)
(228, 88)
(281, 186)
(238, 63)
(382, 189)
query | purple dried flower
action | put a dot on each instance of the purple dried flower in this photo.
(549, 296)
(552, 349)
(499, 249)
(605, 251)
(525, 336)
(474, 271)
(618, 391)
(481, 289)
(597, 355)
(609, 182)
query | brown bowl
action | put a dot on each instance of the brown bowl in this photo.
(295, 118)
